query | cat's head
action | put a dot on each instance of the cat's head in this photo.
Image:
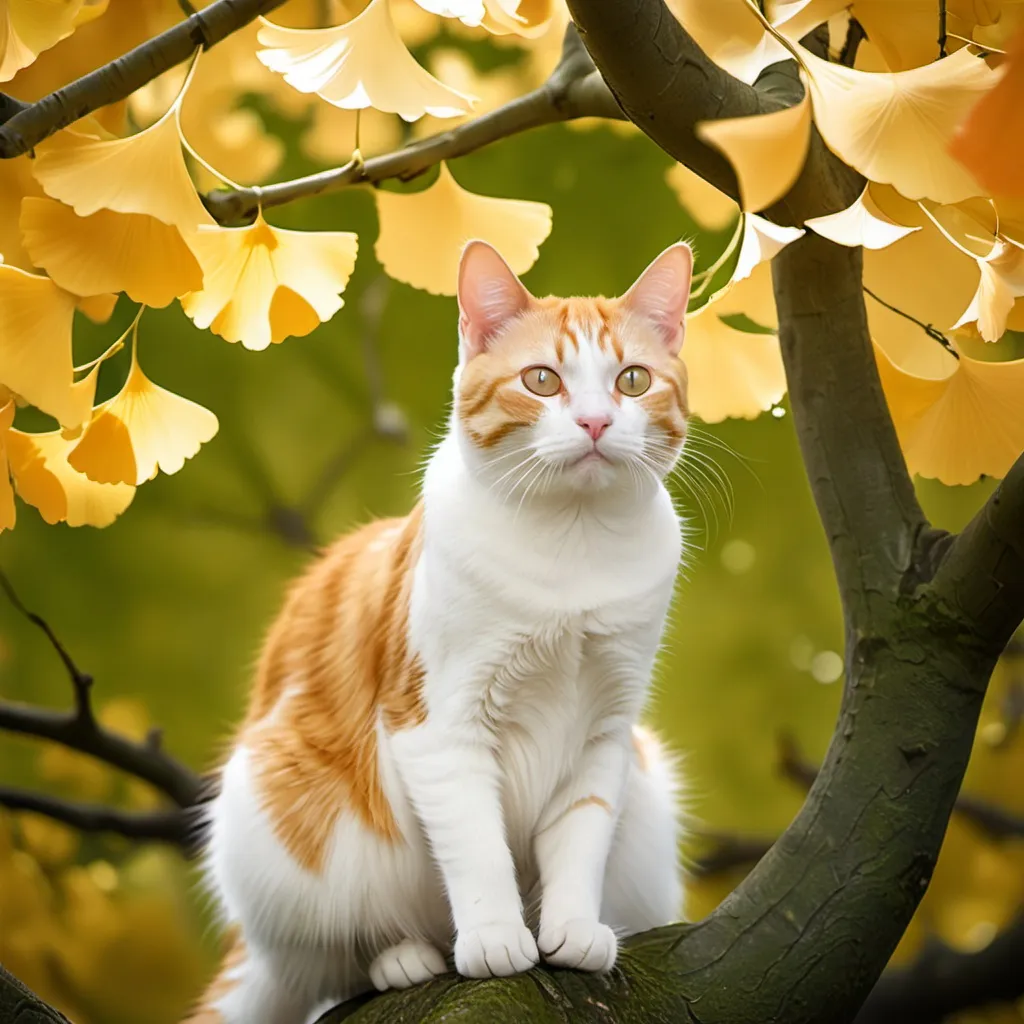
(579, 394)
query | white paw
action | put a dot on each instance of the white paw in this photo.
(580, 943)
(495, 950)
(405, 965)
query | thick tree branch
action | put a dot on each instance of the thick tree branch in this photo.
(171, 825)
(944, 981)
(573, 90)
(982, 574)
(79, 730)
(121, 77)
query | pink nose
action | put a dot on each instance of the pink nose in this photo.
(595, 426)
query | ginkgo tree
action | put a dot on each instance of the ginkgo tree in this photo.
(866, 155)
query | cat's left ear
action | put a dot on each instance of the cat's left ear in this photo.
(661, 294)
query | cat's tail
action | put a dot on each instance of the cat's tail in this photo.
(207, 1010)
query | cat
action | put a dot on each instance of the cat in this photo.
(441, 754)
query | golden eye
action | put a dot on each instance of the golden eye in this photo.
(542, 380)
(634, 381)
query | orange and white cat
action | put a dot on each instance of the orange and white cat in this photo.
(442, 754)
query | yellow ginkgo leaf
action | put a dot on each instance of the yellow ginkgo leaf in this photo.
(35, 343)
(422, 234)
(753, 296)
(43, 477)
(762, 241)
(27, 27)
(7, 513)
(711, 209)
(965, 424)
(363, 63)
(863, 223)
(143, 428)
(729, 33)
(731, 373)
(1001, 284)
(905, 32)
(109, 252)
(264, 283)
(142, 174)
(98, 308)
(795, 18)
(767, 151)
(527, 18)
(896, 127)
(469, 12)
(928, 280)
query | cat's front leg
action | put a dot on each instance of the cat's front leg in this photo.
(452, 779)
(572, 847)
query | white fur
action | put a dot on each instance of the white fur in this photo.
(537, 611)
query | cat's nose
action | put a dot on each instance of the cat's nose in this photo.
(595, 426)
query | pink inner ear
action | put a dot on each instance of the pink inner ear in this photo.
(490, 295)
(662, 291)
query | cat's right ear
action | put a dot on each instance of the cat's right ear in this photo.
(490, 295)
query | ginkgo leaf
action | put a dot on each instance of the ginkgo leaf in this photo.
(264, 283)
(731, 373)
(143, 428)
(142, 174)
(906, 32)
(422, 234)
(896, 127)
(363, 63)
(7, 512)
(109, 252)
(527, 18)
(795, 18)
(990, 143)
(331, 135)
(469, 12)
(1001, 284)
(27, 27)
(971, 225)
(752, 295)
(762, 241)
(729, 33)
(929, 281)
(712, 209)
(863, 223)
(35, 343)
(963, 425)
(767, 151)
(43, 478)
(98, 308)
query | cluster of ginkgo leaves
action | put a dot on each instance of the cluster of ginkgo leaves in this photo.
(111, 205)
(102, 211)
(938, 136)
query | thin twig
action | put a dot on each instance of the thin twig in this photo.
(933, 332)
(573, 90)
(942, 29)
(170, 825)
(186, 8)
(79, 730)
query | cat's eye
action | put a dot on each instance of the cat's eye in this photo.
(634, 381)
(542, 380)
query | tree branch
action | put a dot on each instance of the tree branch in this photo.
(79, 730)
(981, 576)
(172, 825)
(121, 77)
(573, 90)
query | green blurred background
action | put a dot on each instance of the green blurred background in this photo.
(167, 607)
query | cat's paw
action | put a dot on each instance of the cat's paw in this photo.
(405, 965)
(495, 950)
(580, 943)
